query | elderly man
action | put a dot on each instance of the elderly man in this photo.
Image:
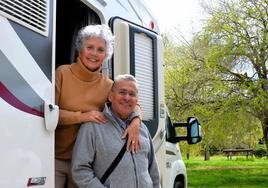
(98, 145)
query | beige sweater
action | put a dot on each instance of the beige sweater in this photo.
(77, 90)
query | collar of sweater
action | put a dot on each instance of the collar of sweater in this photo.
(114, 118)
(82, 73)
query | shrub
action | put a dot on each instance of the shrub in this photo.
(260, 151)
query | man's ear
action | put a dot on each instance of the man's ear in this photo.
(110, 96)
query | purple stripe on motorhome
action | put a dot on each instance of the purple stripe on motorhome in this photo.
(6, 95)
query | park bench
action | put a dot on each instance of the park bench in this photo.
(237, 152)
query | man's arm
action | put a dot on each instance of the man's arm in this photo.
(153, 167)
(83, 156)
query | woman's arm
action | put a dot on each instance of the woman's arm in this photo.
(133, 131)
(69, 117)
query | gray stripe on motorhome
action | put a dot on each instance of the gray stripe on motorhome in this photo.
(38, 45)
(16, 84)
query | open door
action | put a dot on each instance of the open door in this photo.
(26, 90)
(72, 15)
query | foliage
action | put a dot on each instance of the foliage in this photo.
(221, 75)
(238, 43)
(260, 151)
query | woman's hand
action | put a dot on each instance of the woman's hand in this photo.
(133, 133)
(93, 116)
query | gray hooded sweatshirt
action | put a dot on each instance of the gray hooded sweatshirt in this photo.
(97, 146)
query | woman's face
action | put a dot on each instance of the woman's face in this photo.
(93, 53)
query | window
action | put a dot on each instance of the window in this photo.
(32, 14)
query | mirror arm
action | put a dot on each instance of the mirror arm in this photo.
(178, 139)
(180, 124)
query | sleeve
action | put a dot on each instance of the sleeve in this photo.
(66, 117)
(138, 111)
(83, 158)
(58, 83)
(153, 166)
(135, 113)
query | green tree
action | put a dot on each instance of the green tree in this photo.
(193, 88)
(237, 36)
(221, 75)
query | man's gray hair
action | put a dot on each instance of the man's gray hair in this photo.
(126, 77)
(102, 31)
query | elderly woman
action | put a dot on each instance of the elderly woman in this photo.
(81, 92)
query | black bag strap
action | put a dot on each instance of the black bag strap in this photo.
(114, 163)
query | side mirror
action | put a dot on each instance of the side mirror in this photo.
(193, 131)
(194, 134)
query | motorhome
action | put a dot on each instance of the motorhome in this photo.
(36, 36)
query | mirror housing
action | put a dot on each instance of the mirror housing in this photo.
(192, 126)
(194, 134)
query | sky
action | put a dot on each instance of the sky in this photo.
(180, 14)
(185, 16)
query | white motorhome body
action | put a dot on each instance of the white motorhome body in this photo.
(36, 37)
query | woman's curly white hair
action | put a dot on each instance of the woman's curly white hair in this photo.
(102, 31)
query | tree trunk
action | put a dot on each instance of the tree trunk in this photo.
(265, 128)
(188, 155)
(207, 155)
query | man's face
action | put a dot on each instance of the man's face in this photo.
(123, 98)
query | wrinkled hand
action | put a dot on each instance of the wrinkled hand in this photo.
(93, 116)
(133, 133)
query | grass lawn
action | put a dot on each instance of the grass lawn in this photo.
(222, 173)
